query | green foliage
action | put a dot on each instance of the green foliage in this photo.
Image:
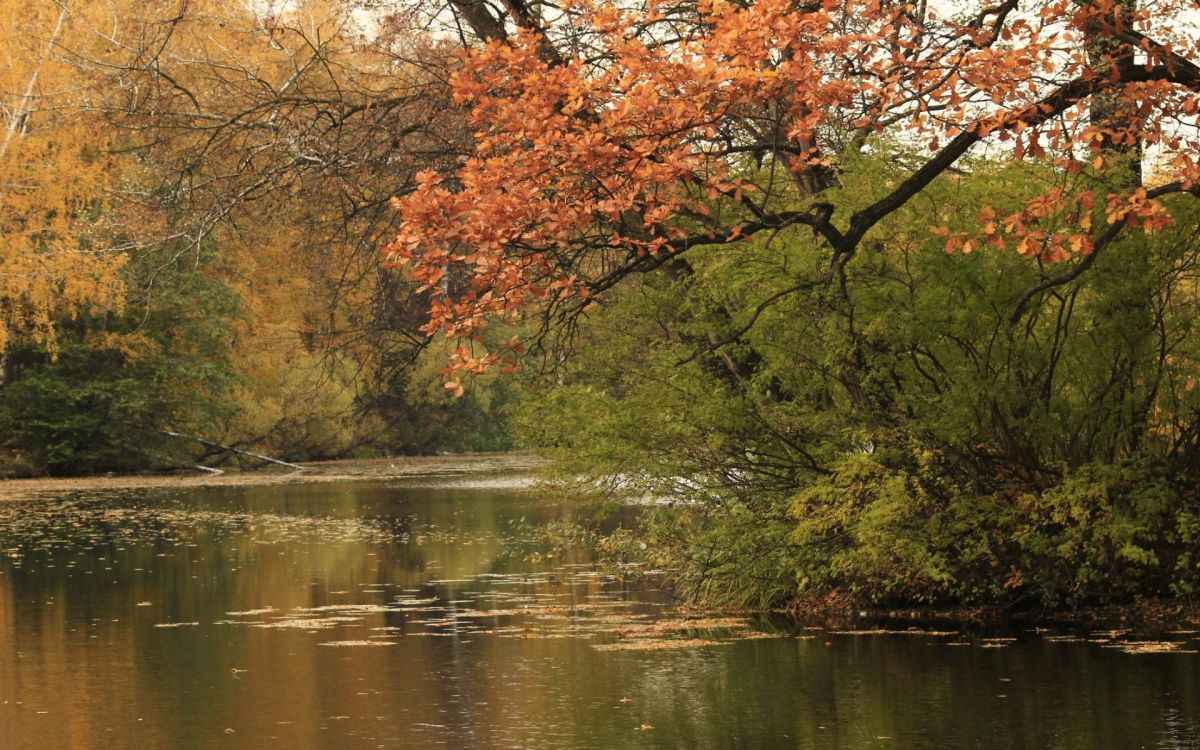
(116, 380)
(422, 418)
(68, 420)
(872, 529)
(1110, 531)
(884, 430)
(171, 361)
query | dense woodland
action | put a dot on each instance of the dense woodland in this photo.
(881, 302)
(194, 196)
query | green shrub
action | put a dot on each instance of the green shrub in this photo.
(892, 435)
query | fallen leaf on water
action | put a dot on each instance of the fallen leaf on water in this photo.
(317, 623)
(651, 644)
(884, 631)
(666, 626)
(1153, 647)
(758, 636)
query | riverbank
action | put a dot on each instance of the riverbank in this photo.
(1148, 616)
(349, 470)
(1151, 617)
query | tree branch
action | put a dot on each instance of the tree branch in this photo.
(1106, 237)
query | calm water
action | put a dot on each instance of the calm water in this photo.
(395, 615)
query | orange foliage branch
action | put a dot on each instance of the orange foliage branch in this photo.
(655, 130)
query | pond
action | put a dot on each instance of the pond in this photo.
(405, 613)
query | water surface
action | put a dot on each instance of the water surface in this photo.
(407, 614)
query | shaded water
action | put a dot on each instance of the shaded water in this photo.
(253, 617)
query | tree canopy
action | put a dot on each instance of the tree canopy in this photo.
(610, 139)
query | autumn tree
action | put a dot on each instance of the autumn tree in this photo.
(611, 140)
(58, 251)
(897, 296)
(264, 123)
(104, 341)
(262, 114)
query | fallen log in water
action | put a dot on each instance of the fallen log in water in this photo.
(173, 461)
(230, 449)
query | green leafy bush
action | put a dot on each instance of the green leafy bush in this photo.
(99, 401)
(886, 431)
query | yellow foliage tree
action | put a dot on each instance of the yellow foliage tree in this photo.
(282, 131)
(56, 176)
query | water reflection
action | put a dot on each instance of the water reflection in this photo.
(485, 648)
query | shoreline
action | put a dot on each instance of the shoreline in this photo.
(316, 472)
(1149, 615)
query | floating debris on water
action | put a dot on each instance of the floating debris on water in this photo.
(886, 631)
(659, 644)
(1153, 647)
(310, 623)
